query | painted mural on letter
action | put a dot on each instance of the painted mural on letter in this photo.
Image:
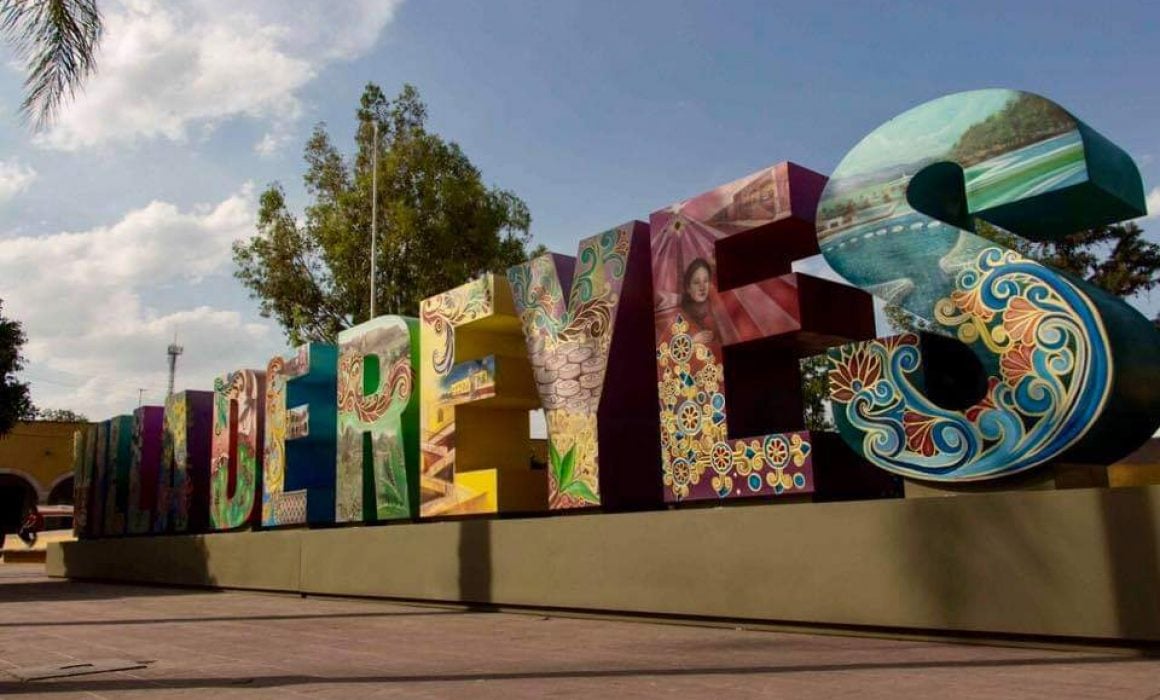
(892, 220)
(748, 231)
(145, 468)
(118, 466)
(236, 448)
(569, 337)
(84, 444)
(378, 421)
(298, 466)
(183, 482)
(475, 318)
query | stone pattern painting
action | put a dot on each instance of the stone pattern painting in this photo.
(183, 482)
(299, 463)
(898, 219)
(569, 331)
(378, 421)
(144, 472)
(488, 468)
(236, 449)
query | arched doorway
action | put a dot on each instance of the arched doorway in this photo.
(17, 495)
(62, 493)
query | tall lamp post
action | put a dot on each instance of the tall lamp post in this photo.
(374, 211)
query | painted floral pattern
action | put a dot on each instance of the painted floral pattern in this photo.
(1050, 379)
(696, 450)
(568, 345)
(231, 508)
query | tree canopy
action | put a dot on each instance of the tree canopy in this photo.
(60, 415)
(15, 403)
(439, 225)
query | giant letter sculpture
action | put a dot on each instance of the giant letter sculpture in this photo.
(144, 469)
(298, 470)
(239, 409)
(119, 460)
(591, 348)
(474, 418)
(1070, 371)
(100, 465)
(183, 485)
(732, 322)
(84, 443)
(378, 421)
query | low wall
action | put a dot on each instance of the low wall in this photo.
(1081, 563)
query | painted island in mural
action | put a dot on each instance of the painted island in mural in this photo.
(666, 356)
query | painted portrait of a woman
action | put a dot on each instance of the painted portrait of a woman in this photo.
(697, 284)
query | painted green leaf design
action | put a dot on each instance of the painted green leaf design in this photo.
(580, 490)
(567, 466)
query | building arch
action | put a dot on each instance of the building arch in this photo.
(61, 491)
(37, 487)
(18, 493)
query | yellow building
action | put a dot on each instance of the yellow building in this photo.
(36, 466)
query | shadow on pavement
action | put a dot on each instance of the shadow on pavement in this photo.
(98, 686)
(18, 589)
(230, 618)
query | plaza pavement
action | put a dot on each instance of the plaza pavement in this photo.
(195, 643)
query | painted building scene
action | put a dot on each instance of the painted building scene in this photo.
(394, 348)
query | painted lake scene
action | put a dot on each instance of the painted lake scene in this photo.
(1010, 145)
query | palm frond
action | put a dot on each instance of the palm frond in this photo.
(57, 40)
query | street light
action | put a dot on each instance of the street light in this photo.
(374, 211)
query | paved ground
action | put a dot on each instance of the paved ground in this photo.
(198, 643)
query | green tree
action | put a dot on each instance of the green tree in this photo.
(60, 415)
(15, 403)
(816, 392)
(57, 42)
(439, 225)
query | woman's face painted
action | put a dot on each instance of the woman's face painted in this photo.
(698, 289)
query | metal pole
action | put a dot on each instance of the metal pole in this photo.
(374, 211)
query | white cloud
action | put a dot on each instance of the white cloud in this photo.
(94, 305)
(270, 143)
(1153, 203)
(164, 68)
(14, 178)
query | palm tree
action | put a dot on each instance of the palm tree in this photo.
(57, 40)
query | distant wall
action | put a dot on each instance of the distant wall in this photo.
(41, 452)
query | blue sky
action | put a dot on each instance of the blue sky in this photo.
(115, 226)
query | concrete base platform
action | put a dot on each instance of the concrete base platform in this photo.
(1081, 564)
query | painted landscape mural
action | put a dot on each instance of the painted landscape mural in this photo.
(897, 219)
(378, 421)
(477, 390)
